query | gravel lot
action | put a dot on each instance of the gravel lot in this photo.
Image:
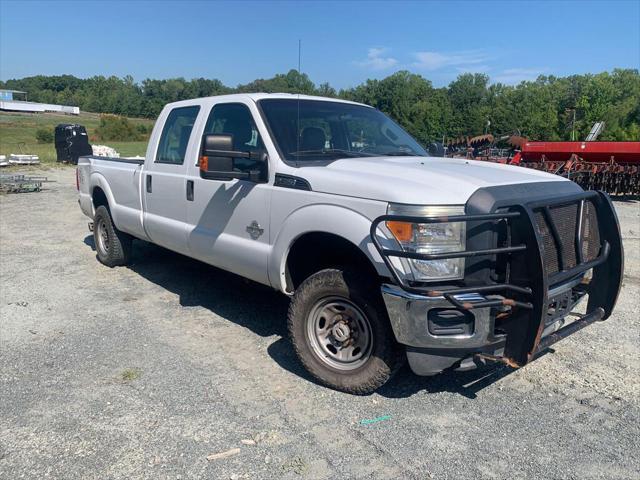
(145, 371)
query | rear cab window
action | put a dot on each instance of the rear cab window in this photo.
(175, 135)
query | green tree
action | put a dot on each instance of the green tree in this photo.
(115, 127)
(468, 97)
(44, 135)
(543, 109)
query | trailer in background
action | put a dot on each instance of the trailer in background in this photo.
(610, 166)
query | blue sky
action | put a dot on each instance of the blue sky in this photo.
(343, 43)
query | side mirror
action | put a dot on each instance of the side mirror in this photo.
(217, 160)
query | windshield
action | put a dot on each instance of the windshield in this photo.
(331, 130)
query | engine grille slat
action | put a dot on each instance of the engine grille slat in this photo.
(565, 218)
(565, 221)
(549, 250)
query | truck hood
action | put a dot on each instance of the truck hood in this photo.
(416, 180)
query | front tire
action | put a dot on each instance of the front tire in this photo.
(340, 331)
(113, 247)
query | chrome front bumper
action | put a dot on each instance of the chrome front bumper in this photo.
(430, 353)
(409, 314)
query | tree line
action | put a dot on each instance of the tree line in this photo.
(549, 108)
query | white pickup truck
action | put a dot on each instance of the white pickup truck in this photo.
(387, 253)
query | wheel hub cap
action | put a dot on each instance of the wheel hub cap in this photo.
(103, 237)
(339, 333)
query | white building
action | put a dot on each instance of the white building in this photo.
(9, 103)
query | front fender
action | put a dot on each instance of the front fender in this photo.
(336, 220)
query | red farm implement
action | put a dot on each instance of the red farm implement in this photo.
(610, 166)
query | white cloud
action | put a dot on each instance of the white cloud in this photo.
(464, 61)
(376, 59)
(450, 64)
(513, 76)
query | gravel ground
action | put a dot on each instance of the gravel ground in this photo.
(146, 371)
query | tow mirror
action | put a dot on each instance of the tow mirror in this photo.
(218, 160)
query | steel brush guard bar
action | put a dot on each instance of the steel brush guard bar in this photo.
(450, 293)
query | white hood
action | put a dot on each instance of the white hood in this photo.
(416, 180)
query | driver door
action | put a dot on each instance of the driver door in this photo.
(228, 220)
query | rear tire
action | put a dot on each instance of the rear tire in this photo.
(341, 333)
(113, 247)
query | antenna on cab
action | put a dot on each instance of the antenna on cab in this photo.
(298, 119)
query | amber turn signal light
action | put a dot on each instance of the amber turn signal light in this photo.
(403, 231)
(204, 163)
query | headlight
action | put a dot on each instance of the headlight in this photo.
(430, 238)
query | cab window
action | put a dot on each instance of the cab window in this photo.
(175, 135)
(236, 120)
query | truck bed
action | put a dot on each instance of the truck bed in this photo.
(134, 160)
(120, 181)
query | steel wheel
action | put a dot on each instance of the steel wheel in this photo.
(339, 333)
(103, 237)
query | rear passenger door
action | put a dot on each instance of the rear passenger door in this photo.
(164, 184)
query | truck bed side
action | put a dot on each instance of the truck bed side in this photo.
(116, 181)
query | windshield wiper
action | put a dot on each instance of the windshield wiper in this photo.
(331, 151)
(400, 154)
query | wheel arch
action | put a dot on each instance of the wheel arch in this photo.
(99, 198)
(317, 250)
(322, 236)
(101, 194)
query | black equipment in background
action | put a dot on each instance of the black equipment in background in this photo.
(72, 142)
(436, 149)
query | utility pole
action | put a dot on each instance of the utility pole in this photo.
(573, 123)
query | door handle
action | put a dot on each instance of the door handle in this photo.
(190, 190)
(149, 184)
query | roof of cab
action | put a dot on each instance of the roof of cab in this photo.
(259, 96)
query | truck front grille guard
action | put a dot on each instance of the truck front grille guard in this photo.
(527, 267)
(449, 293)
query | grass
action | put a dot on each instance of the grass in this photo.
(18, 133)
(130, 374)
